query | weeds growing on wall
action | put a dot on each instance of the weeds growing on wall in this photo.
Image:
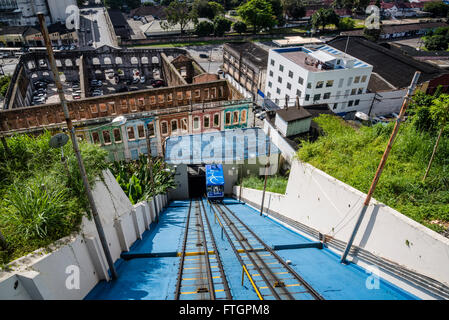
(352, 155)
(40, 201)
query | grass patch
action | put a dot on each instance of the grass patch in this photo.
(40, 202)
(353, 154)
(276, 184)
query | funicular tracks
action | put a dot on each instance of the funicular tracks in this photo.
(270, 275)
(201, 273)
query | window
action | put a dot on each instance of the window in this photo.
(301, 81)
(289, 86)
(174, 125)
(316, 97)
(357, 102)
(276, 101)
(269, 94)
(184, 124)
(164, 127)
(350, 103)
(243, 117)
(281, 68)
(364, 79)
(270, 84)
(228, 118)
(319, 84)
(349, 81)
(357, 79)
(340, 83)
(117, 136)
(95, 137)
(279, 79)
(327, 95)
(278, 91)
(290, 74)
(106, 137)
(235, 117)
(196, 123)
(353, 92)
(307, 97)
(309, 85)
(150, 128)
(216, 120)
(141, 131)
(329, 83)
(206, 120)
(130, 131)
(360, 91)
(272, 62)
(298, 93)
(271, 73)
(335, 106)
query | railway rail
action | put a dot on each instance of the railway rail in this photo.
(201, 275)
(270, 276)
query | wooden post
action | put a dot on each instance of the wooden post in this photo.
(381, 164)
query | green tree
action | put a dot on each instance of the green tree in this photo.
(346, 24)
(323, 17)
(440, 114)
(353, 5)
(204, 28)
(295, 9)
(207, 9)
(178, 12)
(436, 43)
(239, 26)
(113, 4)
(278, 11)
(437, 8)
(221, 26)
(257, 13)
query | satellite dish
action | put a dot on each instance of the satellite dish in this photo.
(59, 140)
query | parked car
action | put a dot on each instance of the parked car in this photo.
(142, 79)
(136, 80)
(204, 56)
(157, 83)
(90, 43)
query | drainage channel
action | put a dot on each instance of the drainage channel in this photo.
(201, 275)
(270, 276)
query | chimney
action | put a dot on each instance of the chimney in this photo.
(286, 102)
(297, 103)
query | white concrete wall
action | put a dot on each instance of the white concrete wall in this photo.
(44, 274)
(288, 152)
(328, 205)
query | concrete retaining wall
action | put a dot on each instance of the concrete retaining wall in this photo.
(331, 207)
(53, 273)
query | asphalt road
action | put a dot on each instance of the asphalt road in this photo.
(214, 53)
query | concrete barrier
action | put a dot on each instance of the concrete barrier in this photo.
(72, 266)
(329, 206)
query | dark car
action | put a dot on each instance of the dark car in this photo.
(157, 83)
(204, 56)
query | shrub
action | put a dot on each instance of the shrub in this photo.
(239, 26)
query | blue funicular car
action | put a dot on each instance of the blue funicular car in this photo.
(215, 182)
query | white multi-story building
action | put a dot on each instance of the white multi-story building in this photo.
(318, 75)
(24, 12)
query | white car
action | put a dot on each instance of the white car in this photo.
(142, 79)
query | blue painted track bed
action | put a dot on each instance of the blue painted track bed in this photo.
(153, 266)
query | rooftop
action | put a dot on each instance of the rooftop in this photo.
(297, 40)
(293, 114)
(321, 58)
(395, 68)
(250, 51)
(223, 146)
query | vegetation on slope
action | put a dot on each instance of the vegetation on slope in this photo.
(352, 155)
(276, 184)
(40, 201)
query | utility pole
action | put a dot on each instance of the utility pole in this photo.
(381, 164)
(266, 173)
(71, 129)
(372, 104)
(150, 158)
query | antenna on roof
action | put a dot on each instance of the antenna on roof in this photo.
(346, 48)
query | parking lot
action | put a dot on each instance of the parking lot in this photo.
(210, 57)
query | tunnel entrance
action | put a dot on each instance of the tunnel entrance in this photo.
(197, 180)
